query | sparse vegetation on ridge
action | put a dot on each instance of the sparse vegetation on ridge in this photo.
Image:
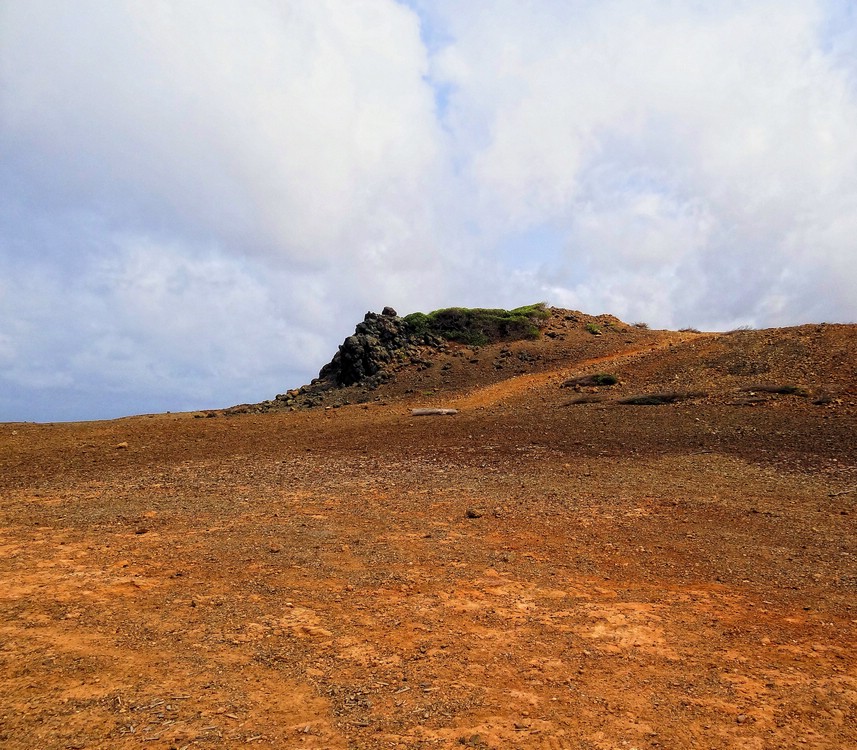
(480, 326)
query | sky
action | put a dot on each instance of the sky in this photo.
(199, 199)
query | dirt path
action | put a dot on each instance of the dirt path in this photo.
(515, 386)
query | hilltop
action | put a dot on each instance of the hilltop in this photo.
(450, 351)
(622, 538)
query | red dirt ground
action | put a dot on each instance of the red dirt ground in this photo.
(529, 573)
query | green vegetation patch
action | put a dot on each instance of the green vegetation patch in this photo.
(480, 326)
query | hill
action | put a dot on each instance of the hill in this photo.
(389, 357)
(623, 538)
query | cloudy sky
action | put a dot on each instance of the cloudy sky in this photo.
(200, 198)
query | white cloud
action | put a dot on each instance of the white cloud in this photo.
(288, 129)
(199, 199)
(679, 143)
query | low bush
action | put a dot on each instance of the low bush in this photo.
(598, 379)
(659, 399)
(789, 390)
(589, 399)
(480, 326)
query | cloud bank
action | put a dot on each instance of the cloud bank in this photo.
(199, 199)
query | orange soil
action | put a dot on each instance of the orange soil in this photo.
(524, 574)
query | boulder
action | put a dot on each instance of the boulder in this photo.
(376, 342)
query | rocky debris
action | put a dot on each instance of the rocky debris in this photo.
(381, 344)
(433, 412)
(377, 343)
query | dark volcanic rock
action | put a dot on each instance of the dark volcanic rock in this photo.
(377, 342)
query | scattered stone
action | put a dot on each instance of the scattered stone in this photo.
(433, 412)
(473, 513)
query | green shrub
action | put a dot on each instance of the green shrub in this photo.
(418, 322)
(593, 329)
(480, 326)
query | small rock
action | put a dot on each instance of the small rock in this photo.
(741, 719)
(473, 513)
(121, 446)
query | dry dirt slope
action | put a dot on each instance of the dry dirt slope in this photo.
(527, 573)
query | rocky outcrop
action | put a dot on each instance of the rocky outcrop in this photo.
(379, 345)
(378, 342)
(368, 350)
(383, 343)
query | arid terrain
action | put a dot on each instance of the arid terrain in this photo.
(547, 568)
